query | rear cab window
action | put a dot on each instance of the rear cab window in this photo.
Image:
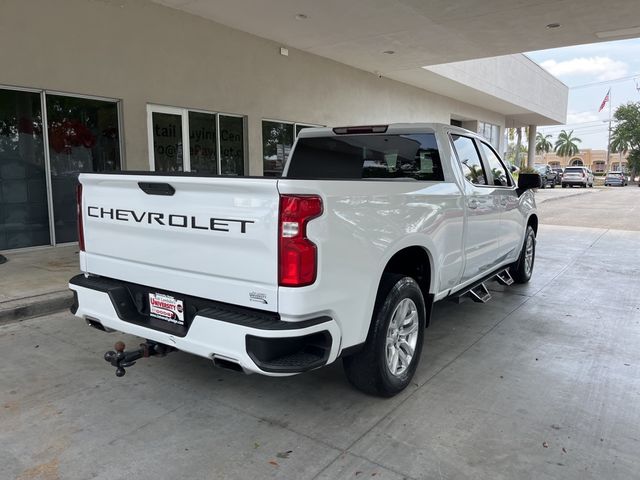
(367, 156)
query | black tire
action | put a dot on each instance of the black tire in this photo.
(553, 185)
(367, 370)
(564, 185)
(520, 271)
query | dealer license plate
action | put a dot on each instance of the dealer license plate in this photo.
(166, 307)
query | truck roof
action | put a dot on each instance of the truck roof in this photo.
(392, 128)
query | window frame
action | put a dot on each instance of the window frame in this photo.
(186, 146)
(480, 156)
(486, 160)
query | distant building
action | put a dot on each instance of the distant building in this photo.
(596, 160)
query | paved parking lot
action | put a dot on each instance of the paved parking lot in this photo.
(604, 207)
(542, 382)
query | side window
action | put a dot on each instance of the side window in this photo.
(498, 170)
(469, 159)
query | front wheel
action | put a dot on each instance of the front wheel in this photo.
(388, 361)
(522, 270)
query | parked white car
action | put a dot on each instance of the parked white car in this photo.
(342, 257)
(580, 176)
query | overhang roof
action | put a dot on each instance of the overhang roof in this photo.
(421, 33)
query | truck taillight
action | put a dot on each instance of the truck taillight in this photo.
(297, 255)
(79, 215)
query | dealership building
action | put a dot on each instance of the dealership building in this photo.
(178, 85)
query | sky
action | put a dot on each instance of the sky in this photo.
(589, 71)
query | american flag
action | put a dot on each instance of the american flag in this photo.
(604, 102)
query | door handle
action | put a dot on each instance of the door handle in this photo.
(473, 203)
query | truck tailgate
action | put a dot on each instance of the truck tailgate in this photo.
(213, 237)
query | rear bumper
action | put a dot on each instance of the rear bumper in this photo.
(259, 342)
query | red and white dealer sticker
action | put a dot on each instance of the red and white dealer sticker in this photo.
(165, 307)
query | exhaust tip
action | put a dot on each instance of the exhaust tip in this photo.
(227, 364)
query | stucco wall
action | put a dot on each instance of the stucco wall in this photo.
(143, 53)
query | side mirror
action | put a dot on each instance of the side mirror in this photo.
(527, 181)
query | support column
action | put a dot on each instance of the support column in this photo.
(531, 152)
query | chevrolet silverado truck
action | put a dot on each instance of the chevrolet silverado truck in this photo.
(340, 258)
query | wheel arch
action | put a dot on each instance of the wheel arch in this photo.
(532, 221)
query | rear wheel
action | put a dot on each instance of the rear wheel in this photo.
(521, 270)
(390, 356)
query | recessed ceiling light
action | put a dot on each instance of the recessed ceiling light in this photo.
(389, 52)
(301, 16)
(553, 25)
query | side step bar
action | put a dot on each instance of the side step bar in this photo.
(479, 292)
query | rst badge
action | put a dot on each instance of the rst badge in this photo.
(165, 307)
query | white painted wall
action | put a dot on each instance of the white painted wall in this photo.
(143, 53)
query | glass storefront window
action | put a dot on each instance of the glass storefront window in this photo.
(215, 142)
(167, 142)
(490, 132)
(277, 140)
(232, 145)
(202, 142)
(83, 137)
(24, 214)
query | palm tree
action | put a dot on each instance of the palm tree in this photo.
(620, 145)
(566, 144)
(543, 145)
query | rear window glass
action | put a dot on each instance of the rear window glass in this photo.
(412, 156)
(573, 170)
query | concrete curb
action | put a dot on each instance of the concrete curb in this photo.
(36, 306)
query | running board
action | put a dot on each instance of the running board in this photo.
(479, 292)
(504, 278)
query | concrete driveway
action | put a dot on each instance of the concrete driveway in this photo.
(542, 382)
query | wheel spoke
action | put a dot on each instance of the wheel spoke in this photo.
(394, 360)
(404, 359)
(406, 348)
(410, 328)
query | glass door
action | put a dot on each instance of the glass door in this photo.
(24, 211)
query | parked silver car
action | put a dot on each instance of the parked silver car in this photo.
(581, 176)
(615, 179)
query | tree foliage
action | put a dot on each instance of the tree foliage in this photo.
(543, 145)
(626, 133)
(566, 144)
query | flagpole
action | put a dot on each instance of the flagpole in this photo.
(609, 135)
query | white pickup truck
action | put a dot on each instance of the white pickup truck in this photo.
(342, 257)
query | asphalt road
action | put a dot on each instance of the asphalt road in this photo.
(615, 208)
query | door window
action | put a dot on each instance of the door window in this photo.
(498, 170)
(469, 159)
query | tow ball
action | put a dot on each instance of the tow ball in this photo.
(121, 359)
